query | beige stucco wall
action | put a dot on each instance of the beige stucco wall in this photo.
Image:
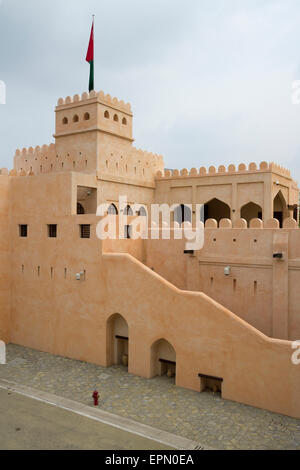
(261, 290)
(234, 186)
(5, 258)
(160, 292)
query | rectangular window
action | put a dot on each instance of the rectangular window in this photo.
(23, 231)
(52, 231)
(85, 231)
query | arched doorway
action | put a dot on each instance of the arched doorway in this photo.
(117, 340)
(163, 359)
(182, 214)
(280, 208)
(251, 211)
(216, 209)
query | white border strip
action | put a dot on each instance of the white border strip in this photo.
(125, 424)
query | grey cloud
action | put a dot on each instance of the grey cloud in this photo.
(209, 81)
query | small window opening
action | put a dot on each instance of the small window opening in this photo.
(23, 230)
(52, 231)
(85, 231)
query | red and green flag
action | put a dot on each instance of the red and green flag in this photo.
(90, 59)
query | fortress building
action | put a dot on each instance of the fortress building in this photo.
(222, 317)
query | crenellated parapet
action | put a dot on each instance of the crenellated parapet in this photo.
(288, 223)
(147, 156)
(131, 163)
(35, 160)
(263, 167)
(32, 152)
(100, 96)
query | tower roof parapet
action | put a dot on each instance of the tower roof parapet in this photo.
(93, 96)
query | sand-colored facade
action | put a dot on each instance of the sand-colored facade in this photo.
(146, 300)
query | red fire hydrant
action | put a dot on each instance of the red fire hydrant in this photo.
(96, 398)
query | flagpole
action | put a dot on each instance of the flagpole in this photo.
(94, 45)
(90, 57)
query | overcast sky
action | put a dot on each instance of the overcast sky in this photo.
(209, 81)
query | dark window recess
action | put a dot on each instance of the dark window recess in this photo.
(85, 231)
(279, 216)
(128, 231)
(80, 209)
(23, 230)
(52, 231)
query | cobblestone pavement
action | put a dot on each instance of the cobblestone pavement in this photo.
(202, 417)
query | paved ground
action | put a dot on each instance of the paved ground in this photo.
(29, 424)
(204, 418)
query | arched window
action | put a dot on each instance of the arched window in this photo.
(142, 212)
(280, 208)
(86, 117)
(216, 209)
(251, 211)
(65, 120)
(112, 210)
(80, 209)
(128, 210)
(116, 118)
(124, 121)
(182, 214)
(76, 118)
(106, 115)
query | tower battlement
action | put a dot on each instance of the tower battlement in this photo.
(93, 134)
(100, 96)
(263, 167)
(92, 112)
